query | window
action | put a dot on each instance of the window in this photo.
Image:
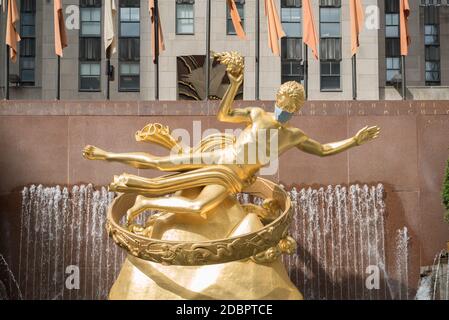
(291, 19)
(241, 9)
(129, 45)
(330, 75)
(291, 45)
(27, 64)
(330, 23)
(392, 25)
(393, 68)
(430, 2)
(185, 16)
(90, 46)
(330, 45)
(432, 46)
(392, 42)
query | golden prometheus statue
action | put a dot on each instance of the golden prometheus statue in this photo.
(201, 243)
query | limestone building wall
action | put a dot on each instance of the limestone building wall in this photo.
(370, 67)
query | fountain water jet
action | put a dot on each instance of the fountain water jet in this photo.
(340, 232)
(434, 283)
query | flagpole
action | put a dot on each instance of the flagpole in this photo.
(58, 89)
(257, 69)
(156, 50)
(7, 74)
(404, 79)
(306, 69)
(208, 17)
(6, 57)
(108, 75)
(354, 77)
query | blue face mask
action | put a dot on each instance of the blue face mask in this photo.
(281, 115)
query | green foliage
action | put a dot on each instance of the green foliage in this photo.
(446, 193)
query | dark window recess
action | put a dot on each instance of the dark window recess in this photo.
(330, 45)
(241, 9)
(291, 3)
(392, 43)
(129, 46)
(330, 48)
(90, 49)
(391, 6)
(330, 75)
(292, 71)
(27, 60)
(129, 49)
(393, 47)
(291, 46)
(432, 46)
(430, 2)
(130, 3)
(90, 3)
(330, 3)
(90, 46)
(28, 6)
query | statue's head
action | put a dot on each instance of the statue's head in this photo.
(289, 99)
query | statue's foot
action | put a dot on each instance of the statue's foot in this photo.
(94, 153)
(139, 206)
(119, 183)
(140, 231)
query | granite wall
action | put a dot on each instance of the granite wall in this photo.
(41, 143)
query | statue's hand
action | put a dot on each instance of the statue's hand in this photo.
(236, 80)
(367, 134)
(235, 64)
(94, 153)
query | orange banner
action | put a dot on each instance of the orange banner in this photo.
(309, 30)
(59, 26)
(236, 20)
(404, 12)
(110, 13)
(12, 36)
(275, 31)
(357, 19)
(161, 35)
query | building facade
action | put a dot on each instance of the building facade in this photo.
(83, 74)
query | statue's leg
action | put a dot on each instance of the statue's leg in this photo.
(143, 160)
(160, 186)
(184, 208)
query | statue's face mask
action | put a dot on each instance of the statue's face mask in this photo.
(281, 115)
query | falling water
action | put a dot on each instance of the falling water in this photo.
(340, 233)
(434, 283)
(62, 228)
(402, 259)
(425, 288)
(9, 287)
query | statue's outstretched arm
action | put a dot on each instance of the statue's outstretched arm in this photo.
(143, 160)
(324, 150)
